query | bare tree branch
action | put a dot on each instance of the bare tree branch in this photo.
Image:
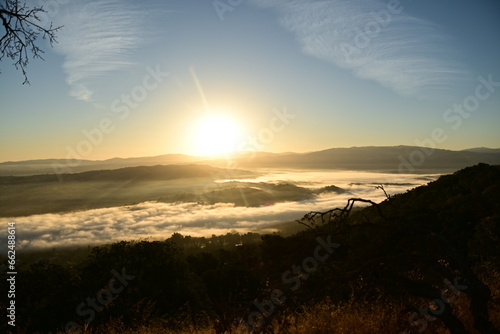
(22, 28)
(337, 217)
(381, 186)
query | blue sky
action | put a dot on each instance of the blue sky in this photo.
(352, 73)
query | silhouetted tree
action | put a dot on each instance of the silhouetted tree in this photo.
(22, 27)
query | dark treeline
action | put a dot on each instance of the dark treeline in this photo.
(430, 256)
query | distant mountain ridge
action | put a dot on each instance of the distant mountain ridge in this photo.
(53, 166)
(483, 150)
(405, 159)
(393, 159)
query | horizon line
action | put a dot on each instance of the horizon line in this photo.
(225, 155)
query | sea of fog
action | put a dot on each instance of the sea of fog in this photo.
(158, 221)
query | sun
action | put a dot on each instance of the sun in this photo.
(216, 134)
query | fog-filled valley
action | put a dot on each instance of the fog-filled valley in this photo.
(154, 202)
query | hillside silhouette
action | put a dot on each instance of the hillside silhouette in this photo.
(427, 260)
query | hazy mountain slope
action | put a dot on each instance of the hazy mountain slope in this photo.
(133, 174)
(373, 158)
(390, 159)
(27, 195)
(484, 150)
(52, 166)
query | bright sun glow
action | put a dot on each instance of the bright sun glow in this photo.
(217, 134)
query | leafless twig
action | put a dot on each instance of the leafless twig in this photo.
(22, 27)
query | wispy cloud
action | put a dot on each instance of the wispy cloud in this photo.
(98, 38)
(407, 54)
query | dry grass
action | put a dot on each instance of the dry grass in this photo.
(327, 318)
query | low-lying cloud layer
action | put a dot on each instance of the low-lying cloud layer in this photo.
(160, 220)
